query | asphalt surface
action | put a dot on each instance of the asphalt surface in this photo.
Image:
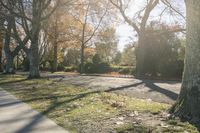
(155, 90)
(162, 91)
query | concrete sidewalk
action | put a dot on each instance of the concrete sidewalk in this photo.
(18, 117)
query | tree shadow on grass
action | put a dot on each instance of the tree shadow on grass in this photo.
(12, 82)
(55, 104)
(35, 99)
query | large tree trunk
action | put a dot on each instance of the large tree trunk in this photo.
(34, 59)
(33, 56)
(1, 45)
(1, 64)
(140, 56)
(55, 57)
(188, 103)
(1, 39)
(55, 47)
(9, 69)
(82, 59)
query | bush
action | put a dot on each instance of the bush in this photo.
(103, 67)
(89, 68)
(60, 67)
(174, 69)
(96, 66)
(163, 54)
(70, 69)
(127, 70)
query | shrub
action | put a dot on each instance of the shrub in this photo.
(174, 69)
(103, 67)
(60, 67)
(96, 66)
(89, 68)
(127, 70)
(70, 69)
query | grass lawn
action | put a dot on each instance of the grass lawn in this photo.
(81, 110)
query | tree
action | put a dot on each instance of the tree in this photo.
(139, 28)
(61, 29)
(38, 16)
(91, 15)
(128, 55)
(1, 37)
(118, 58)
(13, 42)
(162, 51)
(91, 20)
(31, 15)
(55, 45)
(52, 30)
(7, 37)
(188, 103)
(1, 41)
(72, 57)
(63, 33)
(139, 24)
(106, 44)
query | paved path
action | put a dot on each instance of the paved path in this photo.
(18, 117)
(156, 90)
(159, 91)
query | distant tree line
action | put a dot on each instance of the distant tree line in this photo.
(53, 35)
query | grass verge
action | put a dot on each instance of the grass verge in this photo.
(82, 110)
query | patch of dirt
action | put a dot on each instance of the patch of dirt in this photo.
(109, 125)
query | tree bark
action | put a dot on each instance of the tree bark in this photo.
(9, 64)
(1, 44)
(82, 58)
(9, 68)
(140, 56)
(55, 58)
(34, 59)
(1, 64)
(188, 103)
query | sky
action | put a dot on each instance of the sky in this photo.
(126, 33)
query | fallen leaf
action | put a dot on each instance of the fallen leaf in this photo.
(119, 123)
(136, 113)
(121, 118)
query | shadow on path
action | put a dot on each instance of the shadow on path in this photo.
(170, 94)
(151, 85)
(124, 87)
